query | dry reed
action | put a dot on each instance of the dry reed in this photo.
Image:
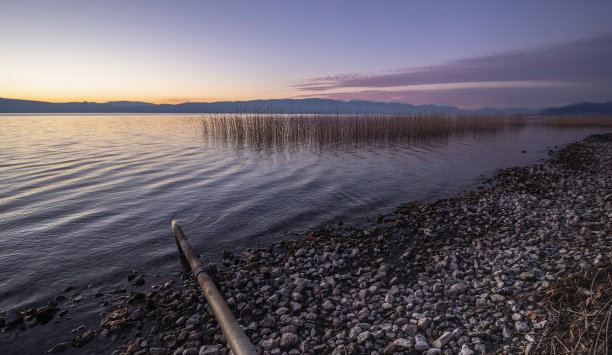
(279, 131)
(581, 309)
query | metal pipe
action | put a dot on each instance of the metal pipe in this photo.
(237, 340)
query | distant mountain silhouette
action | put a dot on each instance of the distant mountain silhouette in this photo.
(253, 106)
(583, 108)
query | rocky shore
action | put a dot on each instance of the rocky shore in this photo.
(458, 275)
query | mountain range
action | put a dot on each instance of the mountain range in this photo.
(284, 106)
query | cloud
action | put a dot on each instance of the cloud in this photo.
(478, 96)
(576, 62)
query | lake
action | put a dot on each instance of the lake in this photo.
(85, 199)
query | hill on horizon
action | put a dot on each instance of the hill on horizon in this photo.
(296, 106)
(582, 108)
(289, 106)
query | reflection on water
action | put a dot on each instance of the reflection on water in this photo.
(87, 198)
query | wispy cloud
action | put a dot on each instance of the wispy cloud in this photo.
(577, 62)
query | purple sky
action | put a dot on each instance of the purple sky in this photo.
(464, 53)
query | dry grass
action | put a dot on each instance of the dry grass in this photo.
(581, 306)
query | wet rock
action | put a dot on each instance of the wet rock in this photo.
(81, 340)
(58, 348)
(45, 314)
(12, 318)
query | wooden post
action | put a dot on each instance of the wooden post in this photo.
(237, 340)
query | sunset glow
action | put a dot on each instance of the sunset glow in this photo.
(437, 52)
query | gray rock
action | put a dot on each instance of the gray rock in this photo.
(457, 289)
(193, 320)
(527, 276)
(465, 350)
(289, 340)
(339, 350)
(540, 325)
(158, 351)
(361, 338)
(433, 351)
(354, 332)
(507, 333)
(424, 323)
(137, 314)
(328, 306)
(497, 298)
(282, 310)
(295, 306)
(210, 349)
(420, 343)
(399, 345)
(443, 340)
(410, 329)
(267, 322)
(191, 351)
(276, 272)
(272, 300)
(267, 344)
(521, 327)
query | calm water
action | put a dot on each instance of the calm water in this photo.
(84, 199)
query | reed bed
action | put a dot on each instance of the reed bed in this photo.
(279, 131)
(577, 121)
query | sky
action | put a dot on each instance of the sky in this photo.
(469, 54)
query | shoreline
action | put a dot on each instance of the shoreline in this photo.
(454, 276)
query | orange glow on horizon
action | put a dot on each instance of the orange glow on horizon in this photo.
(148, 99)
